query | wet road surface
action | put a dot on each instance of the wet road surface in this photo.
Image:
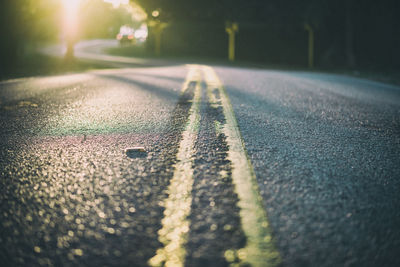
(319, 155)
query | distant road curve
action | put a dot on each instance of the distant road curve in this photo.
(94, 50)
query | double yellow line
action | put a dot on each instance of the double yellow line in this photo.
(259, 249)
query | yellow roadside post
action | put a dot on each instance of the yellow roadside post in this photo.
(310, 45)
(158, 28)
(231, 28)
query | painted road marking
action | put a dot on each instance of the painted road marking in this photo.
(175, 225)
(260, 249)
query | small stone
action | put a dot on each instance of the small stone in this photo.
(135, 149)
(136, 152)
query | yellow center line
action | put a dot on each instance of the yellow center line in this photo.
(175, 225)
(260, 249)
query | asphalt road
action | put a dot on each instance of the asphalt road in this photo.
(322, 150)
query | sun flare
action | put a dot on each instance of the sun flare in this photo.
(71, 8)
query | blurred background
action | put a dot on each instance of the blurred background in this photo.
(346, 34)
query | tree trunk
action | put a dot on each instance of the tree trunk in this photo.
(69, 55)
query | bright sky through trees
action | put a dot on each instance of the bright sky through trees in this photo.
(117, 3)
(71, 8)
(98, 18)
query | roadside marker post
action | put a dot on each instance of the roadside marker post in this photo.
(310, 30)
(231, 28)
(158, 28)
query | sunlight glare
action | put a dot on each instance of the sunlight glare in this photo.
(71, 17)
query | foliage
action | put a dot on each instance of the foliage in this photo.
(101, 20)
(365, 32)
(269, 31)
(26, 24)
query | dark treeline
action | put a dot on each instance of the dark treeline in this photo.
(23, 25)
(348, 33)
